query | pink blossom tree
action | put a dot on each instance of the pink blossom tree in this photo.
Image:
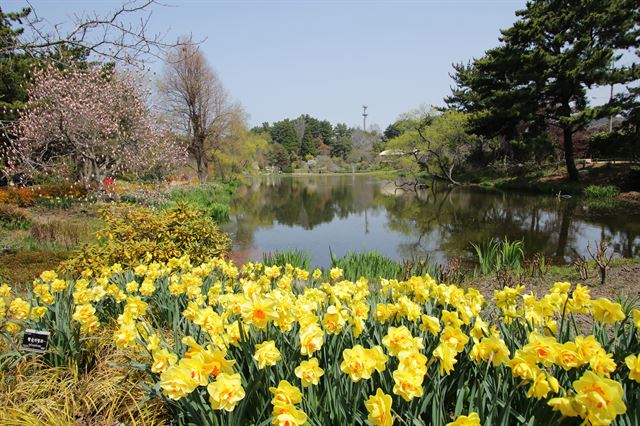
(90, 125)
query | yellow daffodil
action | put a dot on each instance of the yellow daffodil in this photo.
(177, 381)
(267, 354)
(523, 365)
(225, 392)
(258, 312)
(413, 361)
(600, 398)
(633, 364)
(430, 324)
(544, 349)
(542, 385)
(490, 349)
(407, 385)
(636, 318)
(288, 415)
(473, 419)
(447, 357)
(454, 338)
(311, 339)
(606, 311)
(359, 363)
(399, 339)
(20, 308)
(309, 372)
(379, 409)
(285, 394)
(162, 360)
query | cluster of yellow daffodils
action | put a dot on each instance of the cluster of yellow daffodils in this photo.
(341, 350)
(598, 400)
(285, 396)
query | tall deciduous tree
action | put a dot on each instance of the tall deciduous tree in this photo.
(88, 124)
(550, 57)
(197, 103)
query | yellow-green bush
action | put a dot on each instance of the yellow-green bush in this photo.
(133, 235)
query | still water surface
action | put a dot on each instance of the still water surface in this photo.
(360, 212)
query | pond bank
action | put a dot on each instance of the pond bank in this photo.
(623, 280)
(552, 181)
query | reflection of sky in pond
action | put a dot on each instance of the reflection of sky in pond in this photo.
(358, 213)
(341, 235)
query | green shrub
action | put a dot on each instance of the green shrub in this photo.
(212, 200)
(598, 191)
(135, 234)
(619, 144)
(57, 202)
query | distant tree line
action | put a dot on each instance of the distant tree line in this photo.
(304, 138)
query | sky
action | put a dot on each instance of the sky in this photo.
(280, 59)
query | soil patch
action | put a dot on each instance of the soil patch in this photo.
(621, 281)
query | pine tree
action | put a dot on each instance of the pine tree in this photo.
(548, 60)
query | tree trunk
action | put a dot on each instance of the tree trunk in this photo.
(424, 166)
(450, 175)
(568, 154)
(202, 163)
(84, 172)
(203, 168)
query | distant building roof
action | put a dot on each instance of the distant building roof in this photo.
(390, 152)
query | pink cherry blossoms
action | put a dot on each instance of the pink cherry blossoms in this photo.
(90, 125)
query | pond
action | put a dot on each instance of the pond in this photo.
(344, 213)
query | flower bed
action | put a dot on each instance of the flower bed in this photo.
(282, 345)
(53, 195)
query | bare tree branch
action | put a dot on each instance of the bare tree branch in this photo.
(121, 35)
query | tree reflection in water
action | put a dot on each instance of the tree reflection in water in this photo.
(360, 212)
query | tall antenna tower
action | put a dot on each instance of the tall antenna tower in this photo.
(364, 117)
